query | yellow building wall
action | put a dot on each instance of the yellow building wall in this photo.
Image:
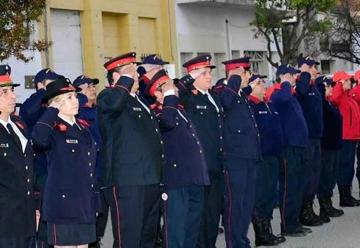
(112, 27)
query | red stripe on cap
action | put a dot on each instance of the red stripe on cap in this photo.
(198, 65)
(68, 88)
(5, 79)
(120, 62)
(157, 84)
(229, 67)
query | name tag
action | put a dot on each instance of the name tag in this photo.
(72, 141)
(200, 107)
(263, 112)
(4, 145)
(137, 109)
(311, 94)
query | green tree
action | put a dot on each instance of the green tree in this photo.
(17, 18)
(344, 40)
(286, 24)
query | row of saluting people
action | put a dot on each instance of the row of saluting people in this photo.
(190, 150)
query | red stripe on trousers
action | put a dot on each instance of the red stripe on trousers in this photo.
(117, 215)
(285, 195)
(229, 209)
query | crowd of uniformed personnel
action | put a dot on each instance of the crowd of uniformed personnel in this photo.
(174, 159)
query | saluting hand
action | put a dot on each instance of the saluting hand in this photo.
(129, 70)
(196, 73)
(169, 86)
(57, 103)
(149, 74)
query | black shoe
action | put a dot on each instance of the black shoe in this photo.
(346, 199)
(298, 232)
(306, 229)
(264, 235)
(326, 208)
(324, 217)
(96, 244)
(308, 216)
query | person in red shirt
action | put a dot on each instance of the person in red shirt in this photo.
(355, 92)
(350, 111)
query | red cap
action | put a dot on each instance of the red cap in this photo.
(357, 75)
(157, 80)
(199, 62)
(237, 63)
(341, 75)
(5, 80)
(121, 61)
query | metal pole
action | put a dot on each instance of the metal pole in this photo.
(228, 49)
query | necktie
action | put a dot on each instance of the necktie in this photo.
(143, 104)
(212, 101)
(14, 136)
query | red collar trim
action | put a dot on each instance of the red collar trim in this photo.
(254, 99)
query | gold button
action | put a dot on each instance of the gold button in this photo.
(72, 150)
(89, 164)
(28, 193)
(91, 174)
(88, 153)
(26, 167)
(63, 196)
(28, 180)
(5, 154)
(174, 165)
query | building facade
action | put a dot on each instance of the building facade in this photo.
(86, 33)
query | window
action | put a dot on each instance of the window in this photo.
(235, 54)
(258, 61)
(183, 58)
(325, 66)
(219, 71)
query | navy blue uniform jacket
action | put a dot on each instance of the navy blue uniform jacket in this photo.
(291, 116)
(71, 194)
(131, 137)
(184, 155)
(17, 209)
(242, 138)
(207, 121)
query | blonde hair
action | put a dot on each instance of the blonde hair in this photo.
(55, 99)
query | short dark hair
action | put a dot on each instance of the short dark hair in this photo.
(110, 73)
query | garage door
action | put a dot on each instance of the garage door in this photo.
(66, 37)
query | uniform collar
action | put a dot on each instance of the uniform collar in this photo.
(204, 92)
(4, 123)
(254, 99)
(71, 123)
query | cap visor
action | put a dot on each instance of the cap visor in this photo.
(9, 84)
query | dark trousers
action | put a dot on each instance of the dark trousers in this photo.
(267, 176)
(17, 242)
(134, 215)
(291, 187)
(346, 169)
(183, 209)
(330, 163)
(312, 167)
(240, 180)
(212, 209)
(101, 220)
(358, 162)
(41, 235)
